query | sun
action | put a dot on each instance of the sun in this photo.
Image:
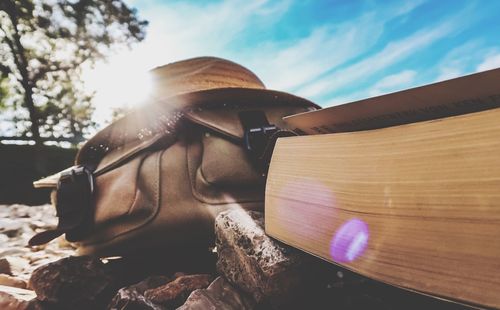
(120, 83)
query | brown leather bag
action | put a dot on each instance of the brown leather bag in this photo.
(159, 176)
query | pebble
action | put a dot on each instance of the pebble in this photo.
(3, 238)
(219, 295)
(13, 300)
(19, 293)
(5, 266)
(10, 227)
(175, 293)
(9, 302)
(18, 223)
(19, 265)
(132, 297)
(7, 280)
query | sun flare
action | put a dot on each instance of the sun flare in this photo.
(118, 84)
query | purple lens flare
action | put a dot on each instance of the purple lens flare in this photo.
(349, 241)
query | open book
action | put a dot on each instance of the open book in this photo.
(414, 205)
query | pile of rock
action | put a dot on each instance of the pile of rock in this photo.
(252, 271)
(18, 223)
(249, 271)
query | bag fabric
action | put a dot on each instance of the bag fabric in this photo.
(158, 177)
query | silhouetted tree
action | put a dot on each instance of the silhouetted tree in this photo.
(43, 45)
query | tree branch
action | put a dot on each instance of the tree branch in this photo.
(4, 70)
(14, 52)
(42, 72)
(22, 67)
(19, 49)
(11, 46)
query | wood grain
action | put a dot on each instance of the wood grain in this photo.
(417, 206)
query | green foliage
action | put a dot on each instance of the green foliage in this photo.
(4, 92)
(43, 46)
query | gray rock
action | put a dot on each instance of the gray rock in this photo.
(265, 269)
(132, 297)
(220, 295)
(10, 228)
(73, 282)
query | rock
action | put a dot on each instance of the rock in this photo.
(5, 266)
(174, 293)
(12, 281)
(18, 264)
(11, 228)
(179, 274)
(9, 302)
(219, 295)
(18, 293)
(18, 299)
(265, 269)
(132, 297)
(75, 282)
(13, 251)
(3, 238)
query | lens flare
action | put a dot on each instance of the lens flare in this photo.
(349, 241)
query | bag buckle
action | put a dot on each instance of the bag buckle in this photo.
(75, 178)
(256, 139)
(75, 191)
(74, 196)
(260, 138)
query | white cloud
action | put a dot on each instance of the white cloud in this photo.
(391, 54)
(393, 82)
(286, 67)
(388, 84)
(464, 60)
(394, 52)
(455, 63)
(338, 100)
(490, 62)
(448, 73)
(179, 30)
(289, 66)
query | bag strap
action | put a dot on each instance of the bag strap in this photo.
(260, 138)
(75, 190)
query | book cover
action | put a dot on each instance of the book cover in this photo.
(472, 93)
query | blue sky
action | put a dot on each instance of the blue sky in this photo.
(330, 52)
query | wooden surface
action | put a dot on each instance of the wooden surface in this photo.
(416, 206)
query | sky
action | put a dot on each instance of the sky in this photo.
(330, 52)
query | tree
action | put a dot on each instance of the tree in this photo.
(44, 45)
